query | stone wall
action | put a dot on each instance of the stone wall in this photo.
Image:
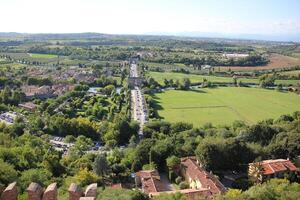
(36, 192)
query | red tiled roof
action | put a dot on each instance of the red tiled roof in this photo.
(190, 194)
(117, 186)
(275, 166)
(150, 181)
(207, 180)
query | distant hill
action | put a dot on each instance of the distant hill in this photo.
(275, 37)
(156, 36)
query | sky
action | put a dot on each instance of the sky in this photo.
(267, 17)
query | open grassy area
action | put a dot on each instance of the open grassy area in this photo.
(293, 72)
(160, 76)
(224, 105)
(38, 55)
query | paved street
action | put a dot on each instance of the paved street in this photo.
(138, 104)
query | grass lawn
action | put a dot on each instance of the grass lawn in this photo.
(160, 76)
(38, 55)
(294, 72)
(223, 105)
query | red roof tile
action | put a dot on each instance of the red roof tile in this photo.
(207, 180)
(150, 181)
(276, 166)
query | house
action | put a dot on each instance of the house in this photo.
(149, 180)
(42, 92)
(60, 89)
(117, 186)
(202, 183)
(28, 106)
(267, 169)
(235, 55)
(198, 178)
(190, 194)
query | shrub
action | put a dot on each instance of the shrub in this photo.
(183, 185)
(178, 180)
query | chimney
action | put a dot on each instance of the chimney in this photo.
(51, 192)
(91, 190)
(10, 192)
(74, 192)
(34, 191)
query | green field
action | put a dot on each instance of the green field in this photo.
(293, 72)
(38, 55)
(222, 106)
(160, 76)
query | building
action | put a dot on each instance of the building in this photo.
(267, 169)
(28, 106)
(202, 183)
(42, 92)
(149, 180)
(60, 89)
(235, 55)
(198, 178)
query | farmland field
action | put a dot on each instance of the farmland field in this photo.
(224, 105)
(294, 72)
(37, 55)
(160, 76)
(276, 61)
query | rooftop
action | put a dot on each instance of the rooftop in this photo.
(276, 166)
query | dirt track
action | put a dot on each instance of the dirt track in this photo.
(276, 61)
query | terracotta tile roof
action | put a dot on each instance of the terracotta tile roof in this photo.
(117, 186)
(28, 105)
(276, 166)
(207, 180)
(150, 181)
(190, 194)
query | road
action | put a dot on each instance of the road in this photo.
(138, 103)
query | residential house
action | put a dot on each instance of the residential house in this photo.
(60, 89)
(202, 183)
(264, 170)
(42, 92)
(28, 106)
(198, 178)
(149, 180)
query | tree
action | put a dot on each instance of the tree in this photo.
(108, 89)
(186, 83)
(5, 95)
(85, 177)
(224, 154)
(7, 173)
(69, 139)
(266, 80)
(261, 133)
(100, 166)
(166, 82)
(172, 162)
(40, 176)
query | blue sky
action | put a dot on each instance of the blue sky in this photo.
(268, 17)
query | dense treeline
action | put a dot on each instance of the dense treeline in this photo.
(26, 157)
(85, 53)
(251, 60)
